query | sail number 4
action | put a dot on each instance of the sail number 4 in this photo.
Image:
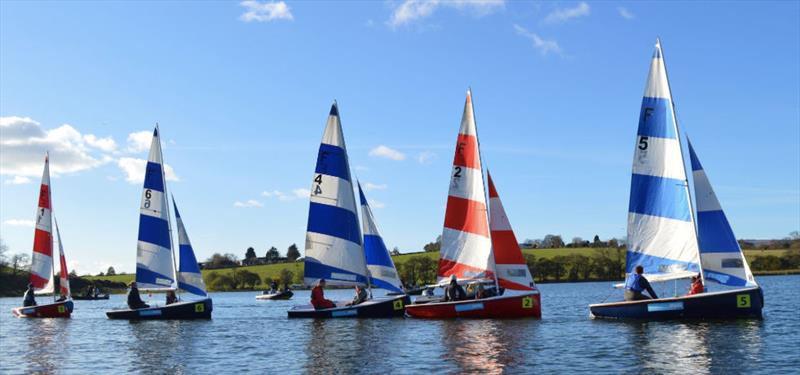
(742, 301)
(61, 309)
(527, 303)
(398, 305)
(318, 188)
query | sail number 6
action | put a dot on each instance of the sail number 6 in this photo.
(147, 195)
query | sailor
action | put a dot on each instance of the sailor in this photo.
(454, 292)
(29, 299)
(636, 284)
(697, 285)
(273, 286)
(134, 300)
(171, 297)
(318, 297)
(361, 296)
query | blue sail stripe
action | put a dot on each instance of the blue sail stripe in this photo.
(332, 161)
(375, 251)
(316, 270)
(715, 234)
(696, 166)
(153, 177)
(378, 283)
(655, 119)
(154, 230)
(187, 259)
(655, 264)
(659, 196)
(361, 196)
(148, 276)
(724, 278)
(334, 221)
(192, 289)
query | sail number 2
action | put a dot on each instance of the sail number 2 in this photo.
(527, 303)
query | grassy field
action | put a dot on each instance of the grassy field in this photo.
(273, 270)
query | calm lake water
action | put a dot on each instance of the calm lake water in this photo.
(255, 336)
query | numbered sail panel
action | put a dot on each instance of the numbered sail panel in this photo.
(338, 261)
(41, 272)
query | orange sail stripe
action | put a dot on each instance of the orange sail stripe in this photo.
(506, 248)
(504, 283)
(462, 271)
(467, 152)
(38, 281)
(43, 242)
(64, 277)
(44, 197)
(466, 215)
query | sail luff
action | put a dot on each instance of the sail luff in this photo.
(189, 277)
(41, 275)
(333, 237)
(720, 254)
(466, 249)
(382, 271)
(512, 270)
(661, 231)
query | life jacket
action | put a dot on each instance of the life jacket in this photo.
(633, 282)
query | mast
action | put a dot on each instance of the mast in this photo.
(683, 161)
(485, 195)
(169, 220)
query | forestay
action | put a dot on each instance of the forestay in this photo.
(661, 232)
(512, 270)
(333, 238)
(466, 249)
(382, 271)
(720, 253)
(154, 262)
(189, 277)
(42, 260)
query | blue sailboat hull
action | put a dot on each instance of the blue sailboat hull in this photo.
(733, 304)
(181, 310)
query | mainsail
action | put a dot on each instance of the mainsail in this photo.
(466, 249)
(720, 253)
(512, 270)
(382, 271)
(333, 238)
(189, 277)
(63, 280)
(154, 262)
(661, 232)
(42, 259)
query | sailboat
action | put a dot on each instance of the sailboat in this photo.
(662, 235)
(155, 259)
(478, 245)
(42, 266)
(334, 245)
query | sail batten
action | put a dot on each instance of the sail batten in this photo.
(661, 231)
(333, 238)
(382, 272)
(154, 262)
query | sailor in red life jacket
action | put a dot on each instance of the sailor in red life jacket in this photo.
(318, 297)
(697, 286)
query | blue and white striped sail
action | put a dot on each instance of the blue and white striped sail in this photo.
(333, 237)
(154, 262)
(720, 253)
(382, 272)
(661, 232)
(189, 277)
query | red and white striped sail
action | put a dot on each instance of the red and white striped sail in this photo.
(512, 271)
(42, 259)
(466, 247)
(64, 289)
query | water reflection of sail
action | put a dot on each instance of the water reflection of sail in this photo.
(46, 342)
(155, 347)
(485, 346)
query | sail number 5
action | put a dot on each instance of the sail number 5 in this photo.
(643, 142)
(742, 301)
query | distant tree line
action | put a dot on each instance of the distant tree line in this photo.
(272, 256)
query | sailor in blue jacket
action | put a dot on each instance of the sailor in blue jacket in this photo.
(635, 284)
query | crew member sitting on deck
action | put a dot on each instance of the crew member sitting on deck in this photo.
(697, 286)
(318, 297)
(171, 297)
(273, 286)
(636, 284)
(134, 300)
(28, 299)
(454, 292)
(361, 296)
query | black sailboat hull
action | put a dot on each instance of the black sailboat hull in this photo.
(733, 304)
(376, 308)
(181, 310)
(90, 298)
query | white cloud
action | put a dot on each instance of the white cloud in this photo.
(544, 46)
(134, 170)
(301, 193)
(385, 152)
(19, 180)
(376, 204)
(140, 141)
(23, 143)
(285, 197)
(625, 13)
(425, 157)
(562, 15)
(368, 186)
(411, 10)
(266, 11)
(106, 144)
(360, 168)
(248, 203)
(20, 223)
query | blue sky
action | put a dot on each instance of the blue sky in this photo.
(242, 90)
